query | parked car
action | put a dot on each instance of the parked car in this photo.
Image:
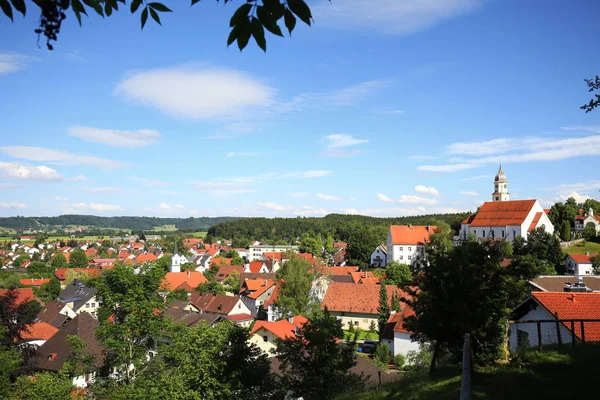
(368, 346)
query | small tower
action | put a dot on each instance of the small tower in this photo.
(175, 261)
(500, 186)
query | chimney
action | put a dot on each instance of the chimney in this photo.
(587, 253)
(291, 319)
(220, 306)
(189, 273)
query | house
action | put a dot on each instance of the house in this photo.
(34, 282)
(346, 270)
(396, 336)
(56, 313)
(256, 251)
(103, 262)
(24, 295)
(144, 258)
(256, 267)
(264, 334)
(226, 271)
(37, 334)
(406, 243)
(53, 354)
(62, 273)
(188, 317)
(255, 292)
(580, 264)
(356, 304)
(80, 298)
(583, 219)
(243, 253)
(187, 280)
(379, 256)
(243, 320)
(555, 306)
(557, 283)
(220, 304)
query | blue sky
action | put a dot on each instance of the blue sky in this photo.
(382, 108)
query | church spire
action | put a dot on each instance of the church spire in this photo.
(500, 186)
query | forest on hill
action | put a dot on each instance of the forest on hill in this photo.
(339, 226)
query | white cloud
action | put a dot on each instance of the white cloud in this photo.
(316, 173)
(165, 206)
(427, 190)
(147, 181)
(581, 187)
(103, 189)
(308, 211)
(412, 199)
(472, 194)
(391, 16)
(384, 198)
(271, 206)
(58, 198)
(11, 62)
(243, 154)
(12, 204)
(472, 178)
(115, 138)
(297, 194)
(580, 198)
(328, 197)
(43, 154)
(196, 93)
(20, 171)
(92, 206)
(342, 140)
(79, 178)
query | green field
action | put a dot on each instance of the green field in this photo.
(197, 234)
(592, 247)
(566, 374)
(364, 335)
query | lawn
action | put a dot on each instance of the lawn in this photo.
(197, 234)
(364, 335)
(592, 247)
(561, 374)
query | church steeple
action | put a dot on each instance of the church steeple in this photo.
(500, 186)
(175, 260)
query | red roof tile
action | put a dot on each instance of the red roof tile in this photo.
(356, 298)
(410, 234)
(25, 295)
(173, 280)
(33, 281)
(147, 257)
(218, 261)
(255, 266)
(61, 273)
(357, 276)
(265, 285)
(571, 305)
(536, 219)
(502, 213)
(282, 329)
(39, 330)
(341, 270)
(582, 258)
(239, 317)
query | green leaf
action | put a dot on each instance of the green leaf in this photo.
(19, 5)
(135, 4)
(107, 9)
(268, 20)
(159, 7)
(155, 16)
(301, 9)
(7, 9)
(241, 13)
(144, 16)
(259, 34)
(244, 33)
(290, 21)
(233, 35)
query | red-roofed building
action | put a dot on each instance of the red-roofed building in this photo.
(552, 306)
(34, 282)
(182, 280)
(221, 304)
(24, 295)
(256, 267)
(396, 336)
(356, 304)
(264, 334)
(255, 292)
(582, 220)
(406, 243)
(226, 271)
(144, 258)
(61, 273)
(347, 270)
(580, 264)
(218, 261)
(91, 252)
(103, 262)
(38, 333)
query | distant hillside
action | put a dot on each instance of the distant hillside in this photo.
(130, 223)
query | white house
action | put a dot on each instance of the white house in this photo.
(379, 256)
(580, 264)
(406, 243)
(256, 251)
(552, 306)
(504, 218)
(582, 220)
(396, 336)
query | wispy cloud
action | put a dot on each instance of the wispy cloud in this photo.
(244, 154)
(384, 198)
(427, 190)
(165, 206)
(147, 181)
(391, 16)
(328, 197)
(297, 194)
(12, 204)
(37, 173)
(103, 189)
(472, 194)
(342, 140)
(99, 207)
(406, 199)
(44, 154)
(115, 138)
(58, 198)
(271, 206)
(198, 93)
(12, 62)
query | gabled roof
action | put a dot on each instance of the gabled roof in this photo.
(54, 353)
(146, 257)
(255, 266)
(173, 280)
(357, 276)
(582, 258)
(411, 234)
(77, 293)
(259, 286)
(215, 304)
(356, 298)
(282, 329)
(39, 331)
(341, 270)
(535, 221)
(556, 283)
(570, 305)
(502, 213)
(34, 281)
(25, 295)
(239, 317)
(244, 276)
(218, 261)
(226, 270)
(51, 313)
(61, 273)
(189, 318)
(395, 322)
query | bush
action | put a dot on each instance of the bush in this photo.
(382, 353)
(418, 360)
(399, 361)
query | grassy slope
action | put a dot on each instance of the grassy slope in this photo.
(566, 374)
(592, 247)
(198, 234)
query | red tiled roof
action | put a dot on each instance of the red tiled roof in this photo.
(39, 330)
(582, 258)
(147, 257)
(61, 273)
(239, 317)
(273, 298)
(405, 234)
(174, 280)
(218, 261)
(255, 266)
(502, 213)
(356, 298)
(547, 210)
(341, 270)
(306, 256)
(215, 304)
(369, 281)
(90, 252)
(226, 270)
(25, 295)
(34, 281)
(571, 305)
(536, 219)
(272, 255)
(282, 329)
(265, 285)
(357, 276)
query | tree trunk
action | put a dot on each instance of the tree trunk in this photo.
(436, 351)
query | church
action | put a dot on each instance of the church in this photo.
(503, 218)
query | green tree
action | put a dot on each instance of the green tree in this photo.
(565, 231)
(596, 264)
(397, 274)
(79, 361)
(78, 259)
(236, 259)
(43, 386)
(210, 287)
(571, 210)
(10, 363)
(593, 204)
(232, 283)
(40, 269)
(295, 282)
(395, 303)
(382, 353)
(589, 232)
(20, 260)
(362, 241)
(309, 244)
(48, 291)
(383, 310)
(179, 294)
(329, 249)
(314, 364)
(542, 245)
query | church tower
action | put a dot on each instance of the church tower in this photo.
(500, 186)
(175, 261)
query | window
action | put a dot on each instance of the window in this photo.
(355, 323)
(409, 257)
(239, 305)
(410, 249)
(502, 232)
(401, 248)
(93, 304)
(401, 257)
(265, 339)
(483, 233)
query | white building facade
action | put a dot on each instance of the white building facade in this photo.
(406, 243)
(255, 252)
